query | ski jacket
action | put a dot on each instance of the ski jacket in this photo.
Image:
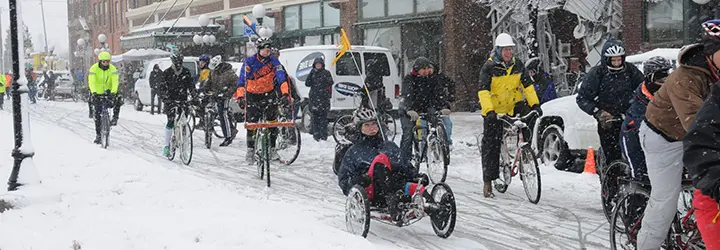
(320, 82)
(203, 77)
(421, 93)
(636, 113)
(223, 80)
(258, 76)
(503, 84)
(611, 91)
(177, 85)
(673, 109)
(702, 146)
(358, 157)
(544, 87)
(100, 80)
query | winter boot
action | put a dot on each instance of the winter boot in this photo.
(393, 201)
(226, 142)
(250, 156)
(97, 139)
(166, 151)
(114, 121)
(487, 190)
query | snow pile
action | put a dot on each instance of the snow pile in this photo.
(109, 199)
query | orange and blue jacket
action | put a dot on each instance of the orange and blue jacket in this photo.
(261, 76)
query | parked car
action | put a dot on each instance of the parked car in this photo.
(142, 85)
(564, 126)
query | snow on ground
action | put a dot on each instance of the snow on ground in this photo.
(133, 197)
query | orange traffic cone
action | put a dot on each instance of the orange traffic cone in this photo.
(590, 162)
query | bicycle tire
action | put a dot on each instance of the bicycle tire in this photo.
(435, 147)
(105, 132)
(527, 154)
(444, 142)
(339, 129)
(609, 193)
(186, 133)
(257, 138)
(298, 142)
(266, 141)
(207, 127)
(619, 214)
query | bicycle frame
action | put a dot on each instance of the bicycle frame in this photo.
(515, 127)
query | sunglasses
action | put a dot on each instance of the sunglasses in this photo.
(105, 61)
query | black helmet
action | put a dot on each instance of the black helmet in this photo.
(421, 63)
(263, 43)
(177, 59)
(657, 68)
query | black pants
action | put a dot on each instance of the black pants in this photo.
(2, 99)
(223, 117)
(259, 106)
(492, 141)
(118, 102)
(97, 108)
(90, 105)
(610, 141)
(319, 124)
(170, 113)
(385, 183)
(153, 94)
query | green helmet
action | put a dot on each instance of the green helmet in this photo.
(104, 56)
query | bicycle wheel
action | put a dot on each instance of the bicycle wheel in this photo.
(208, 127)
(434, 160)
(288, 144)
(507, 161)
(626, 220)
(530, 174)
(173, 145)
(266, 157)
(339, 129)
(105, 129)
(186, 145)
(444, 142)
(610, 185)
(389, 127)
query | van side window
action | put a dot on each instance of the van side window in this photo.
(377, 63)
(192, 67)
(346, 67)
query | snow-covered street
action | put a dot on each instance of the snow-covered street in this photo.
(131, 197)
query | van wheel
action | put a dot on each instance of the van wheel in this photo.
(305, 119)
(138, 105)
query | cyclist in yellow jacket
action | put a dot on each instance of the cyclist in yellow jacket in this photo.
(103, 79)
(2, 91)
(503, 81)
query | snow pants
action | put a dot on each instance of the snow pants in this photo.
(319, 123)
(630, 139)
(664, 163)
(706, 210)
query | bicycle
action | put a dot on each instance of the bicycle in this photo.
(181, 138)
(436, 140)
(628, 214)
(105, 104)
(345, 126)
(523, 157)
(288, 136)
(263, 146)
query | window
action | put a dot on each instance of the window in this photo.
(331, 16)
(665, 21)
(313, 40)
(238, 26)
(292, 17)
(192, 67)
(345, 65)
(377, 63)
(311, 17)
(428, 5)
(117, 13)
(327, 39)
(400, 7)
(373, 8)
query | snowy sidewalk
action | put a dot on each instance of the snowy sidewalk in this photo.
(110, 199)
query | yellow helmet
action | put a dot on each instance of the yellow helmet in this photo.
(104, 56)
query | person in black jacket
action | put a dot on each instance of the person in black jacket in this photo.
(606, 93)
(320, 82)
(177, 85)
(156, 79)
(419, 94)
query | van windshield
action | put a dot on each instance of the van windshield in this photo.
(377, 64)
(346, 67)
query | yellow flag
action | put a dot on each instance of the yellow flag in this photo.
(344, 46)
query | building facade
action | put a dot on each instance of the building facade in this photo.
(665, 23)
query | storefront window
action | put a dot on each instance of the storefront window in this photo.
(665, 21)
(400, 7)
(385, 37)
(292, 17)
(310, 15)
(428, 5)
(313, 40)
(331, 16)
(372, 8)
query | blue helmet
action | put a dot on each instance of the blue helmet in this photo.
(205, 58)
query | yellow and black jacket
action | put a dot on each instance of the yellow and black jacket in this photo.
(501, 86)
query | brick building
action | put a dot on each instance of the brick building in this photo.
(665, 23)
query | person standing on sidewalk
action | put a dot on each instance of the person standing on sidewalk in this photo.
(320, 82)
(156, 78)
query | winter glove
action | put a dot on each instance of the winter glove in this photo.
(414, 116)
(538, 109)
(445, 111)
(604, 118)
(107, 92)
(491, 116)
(423, 179)
(363, 180)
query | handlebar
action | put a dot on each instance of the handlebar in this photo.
(514, 120)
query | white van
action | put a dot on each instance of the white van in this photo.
(142, 85)
(298, 63)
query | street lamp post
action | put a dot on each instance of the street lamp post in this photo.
(103, 46)
(259, 14)
(23, 170)
(81, 53)
(204, 38)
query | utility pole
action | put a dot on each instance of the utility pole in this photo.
(42, 10)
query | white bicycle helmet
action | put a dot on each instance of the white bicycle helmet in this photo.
(615, 50)
(214, 62)
(364, 115)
